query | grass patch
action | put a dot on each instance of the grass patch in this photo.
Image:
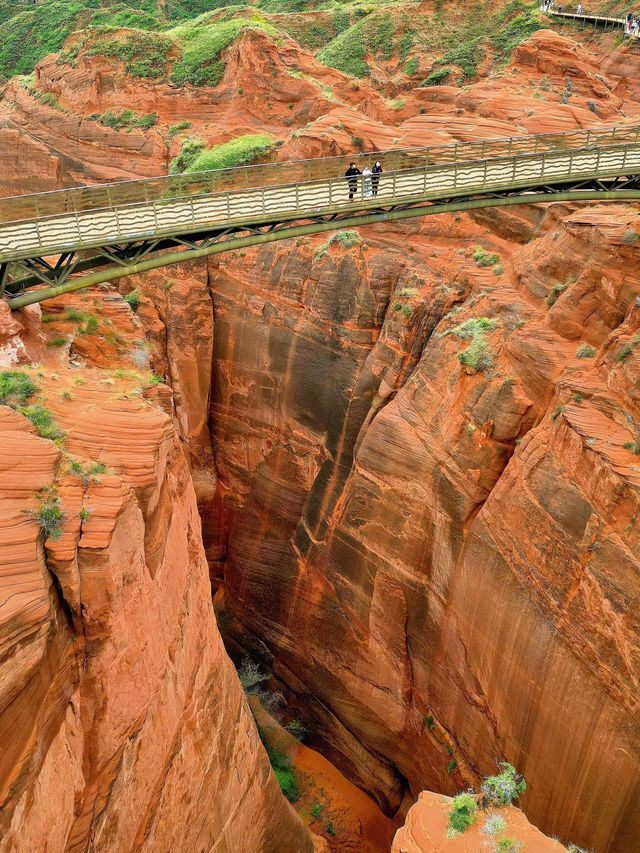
(125, 119)
(201, 62)
(316, 810)
(190, 149)
(143, 54)
(437, 77)
(177, 128)
(133, 299)
(484, 258)
(472, 327)
(27, 37)
(555, 292)
(412, 67)
(16, 388)
(346, 239)
(585, 351)
(48, 514)
(237, 152)
(57, 342)
(43, 421)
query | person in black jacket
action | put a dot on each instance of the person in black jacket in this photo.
(375, 180)
(352, 179)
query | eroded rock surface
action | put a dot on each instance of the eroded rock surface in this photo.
(123, 724)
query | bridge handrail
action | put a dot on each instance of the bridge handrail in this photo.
(190, 213)
(287, 173)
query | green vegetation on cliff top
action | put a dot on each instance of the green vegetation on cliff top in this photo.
(184, 40)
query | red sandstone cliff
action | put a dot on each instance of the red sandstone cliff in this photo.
(123, 724)
(399, 538)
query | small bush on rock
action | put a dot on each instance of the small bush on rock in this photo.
(585, 351)
(16, 387)
(504, 788)
(463, 812)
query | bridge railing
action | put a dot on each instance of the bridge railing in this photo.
(170, 216)
(98, 197)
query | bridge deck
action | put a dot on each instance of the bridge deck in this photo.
(100, 216)
(592, 18)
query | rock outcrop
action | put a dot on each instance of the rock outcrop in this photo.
(123, 724)
(425, 830)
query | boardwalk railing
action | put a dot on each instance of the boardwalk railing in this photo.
(539, 161)
(630, 25)
(102, 196)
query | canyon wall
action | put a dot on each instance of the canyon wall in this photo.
(124, 726)
(440, 563)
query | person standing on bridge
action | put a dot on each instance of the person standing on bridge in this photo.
(579, 9)
(366, 182)
(375, 180)
(352, 179)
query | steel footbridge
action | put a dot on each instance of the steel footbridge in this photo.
(56, 242)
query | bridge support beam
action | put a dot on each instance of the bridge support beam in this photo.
(318, 227)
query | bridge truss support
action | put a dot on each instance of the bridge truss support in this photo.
(33, 280)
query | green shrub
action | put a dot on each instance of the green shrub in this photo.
(85, 514)
(16, 388)
(466, 56)
(125, 119)
(297, 729)
(237, 152)
(498, 269)
(555, 292)
(437, 77)
(90, 325)
(451, 766)
(346, 239)
(316, 810)
(347, 52)
(412, 67)
(630, 237)
(143, 54)
(494, 825)
(463, 812)
(43, 421)
(57, 342)
(577, 397)
(624, 352)
(633, 446)
(28, 36)
(484, 258)
(472, 327)
(48, 514)
(585, 351)
(478, 355)
(330, 829)
(72, 315)
(190, 148)
(396, 104)
(504, 788)
(507, 845)
(133, 299)
(429, 721)
(288, 783)
(201, 62)
(177, 128)
(251, 676)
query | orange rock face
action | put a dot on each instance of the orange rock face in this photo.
(123, 723)
(380, 495)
